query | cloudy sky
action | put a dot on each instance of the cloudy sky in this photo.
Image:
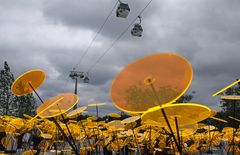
(53, 35)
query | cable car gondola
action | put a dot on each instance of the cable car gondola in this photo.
(122, 10)
(86, 78)
(137, 29)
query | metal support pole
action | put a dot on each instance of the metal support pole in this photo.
(209, 137)
(179, 140)
(97, 110)
(171, 143)
(65, 136)
(35, 92)
(232, 144)
(150, 143)
(172, 133)
(56, 123)
(71, 137)
(86, 136)
(139, 151)
(166, 119)
(234, 125)
(75, 92)
(117, 140)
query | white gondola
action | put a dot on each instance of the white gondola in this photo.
(86, 78)
(137, 29)
(122, 10)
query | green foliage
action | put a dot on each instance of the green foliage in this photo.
(7, 99)
(186, 98)
(26, 105)
(229, 106)
(9, 103)
(227, 110)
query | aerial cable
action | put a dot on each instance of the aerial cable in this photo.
(96, 35)
(91, 43)
(140, 14)
(119, 37)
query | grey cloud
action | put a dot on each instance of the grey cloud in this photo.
(92, 14)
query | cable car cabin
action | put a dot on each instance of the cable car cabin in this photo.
(86, 79)
(122, 10)
(137, 30)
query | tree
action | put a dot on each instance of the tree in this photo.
(227, 110)
(26, 105)
(229, 106)
(7, 99)
(186, 98)
(10, 104)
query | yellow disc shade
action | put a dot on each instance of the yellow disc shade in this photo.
(114, 115)
(130, 125)
(213, 113)
(230, 97)
(21, 85)
(92, 118)
(29, 152)
(96, 104)
(199, 125)
(92, 125)
(18, 123)
(134, 114)
(10, 129)
(219, 119)
(228, 129)
(115, 125)
(43, 109)
(209, 127)
(149, 122)
(225, 88)
(76, 111)
(186, 132)
(170, 74)
(186, 113)
(158, 149)
(130, 119)
(46, 136)
(57, 105)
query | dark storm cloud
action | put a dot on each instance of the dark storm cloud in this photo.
(52, 35)
(91, 15)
